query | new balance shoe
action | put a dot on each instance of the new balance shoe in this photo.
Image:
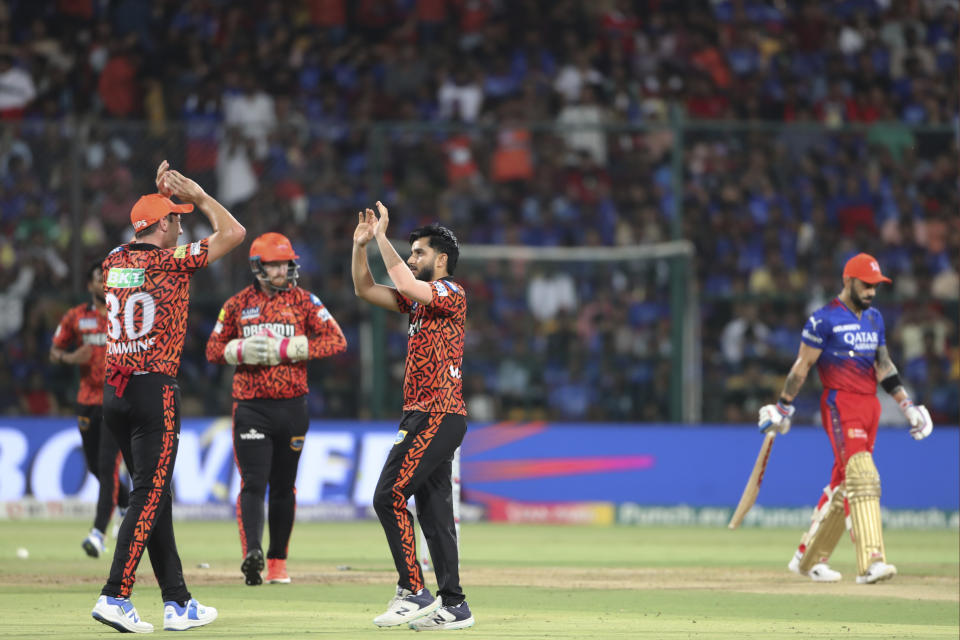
(406, 606)
(877, 572)
(447, 618)
(820, 572)
(252, 566)
(120, 614)
(181, 618)
(277, 571)
(93, 544)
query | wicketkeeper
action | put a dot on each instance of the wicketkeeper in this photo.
(269, 330)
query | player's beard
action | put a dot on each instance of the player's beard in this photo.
(425, 274)
(100, 297)
(859, 302)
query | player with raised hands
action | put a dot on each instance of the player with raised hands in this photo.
(147, 294)
(433, 422)
(846, 341)
(269, 330)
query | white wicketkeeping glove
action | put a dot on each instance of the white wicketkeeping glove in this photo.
(776, 416)
(292, 349)
(919, 418)
(260, 349)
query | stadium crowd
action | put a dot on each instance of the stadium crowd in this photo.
(522, 122)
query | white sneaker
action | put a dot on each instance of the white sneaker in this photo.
(877, 572)
(820, 572)
(445, 618)
(93, 544)
(120, 614)
(406, 607)
(177, 618)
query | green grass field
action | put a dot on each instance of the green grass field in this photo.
(521, 582)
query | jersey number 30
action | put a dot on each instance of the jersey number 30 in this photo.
(143, 300)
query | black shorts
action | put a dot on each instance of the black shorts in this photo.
(285, 421)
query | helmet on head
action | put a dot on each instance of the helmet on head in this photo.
(274, 247)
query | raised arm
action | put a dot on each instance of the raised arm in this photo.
(364, 285)
(400, 273)
(227, 232)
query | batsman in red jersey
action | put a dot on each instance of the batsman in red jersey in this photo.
(81, 340)
(846, 340)
(434, 418)
(147, 287)
(269, 330)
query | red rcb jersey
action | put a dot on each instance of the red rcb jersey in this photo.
(148, 292)
(285, 314)
(432, 381)
(85, 325)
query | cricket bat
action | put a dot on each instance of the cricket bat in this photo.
(753, 483)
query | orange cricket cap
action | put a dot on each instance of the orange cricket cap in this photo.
(153, 207)
(864, 267)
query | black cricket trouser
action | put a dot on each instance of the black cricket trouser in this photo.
(102, 454)
(268, 438)
(419, 465)
(146, 424)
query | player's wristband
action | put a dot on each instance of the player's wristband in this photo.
(891, 382)
(784, 406)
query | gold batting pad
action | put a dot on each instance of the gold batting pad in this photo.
(829, 523)
(863, 494)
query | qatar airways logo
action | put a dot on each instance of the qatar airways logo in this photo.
(862, 340)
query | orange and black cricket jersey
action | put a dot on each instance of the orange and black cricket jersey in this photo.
(432, 381)
(285, 314)
(82, 325)
(148, 292)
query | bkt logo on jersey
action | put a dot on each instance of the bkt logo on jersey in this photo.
(279, 330)
(862, 340)
(123, 278)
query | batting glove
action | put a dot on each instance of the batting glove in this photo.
(921, 425)
(776, 416)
